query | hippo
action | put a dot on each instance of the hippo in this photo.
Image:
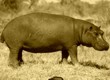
(43, 33)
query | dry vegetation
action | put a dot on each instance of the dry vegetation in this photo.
(95, 64)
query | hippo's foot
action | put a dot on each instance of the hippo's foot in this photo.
(75, 64)
(64, 61)
(14, 64)
(21, 62)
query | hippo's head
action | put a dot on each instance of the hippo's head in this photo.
(93, 37)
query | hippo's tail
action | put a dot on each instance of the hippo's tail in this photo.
(2, 38)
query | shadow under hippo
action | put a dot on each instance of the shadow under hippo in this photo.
(43, 32)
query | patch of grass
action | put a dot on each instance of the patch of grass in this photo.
(94, 64)
(44, 66)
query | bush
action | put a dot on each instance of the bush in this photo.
(10, 4)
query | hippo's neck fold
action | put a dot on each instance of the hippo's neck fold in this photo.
(77, 32)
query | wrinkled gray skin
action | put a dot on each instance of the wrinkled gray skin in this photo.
(42, 32)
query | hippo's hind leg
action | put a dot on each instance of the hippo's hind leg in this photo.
(65, 55)
(14, 57)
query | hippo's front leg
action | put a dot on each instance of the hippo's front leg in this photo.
(73, 54)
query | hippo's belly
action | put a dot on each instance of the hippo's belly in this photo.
(45, 43)
(43, 49)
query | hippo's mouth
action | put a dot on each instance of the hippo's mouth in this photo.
(101, 47)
